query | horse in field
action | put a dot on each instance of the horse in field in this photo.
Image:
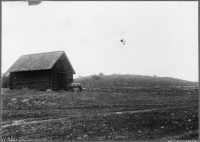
(73, 86)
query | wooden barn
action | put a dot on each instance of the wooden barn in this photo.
(42, 71)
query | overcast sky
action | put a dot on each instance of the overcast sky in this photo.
(161, 37)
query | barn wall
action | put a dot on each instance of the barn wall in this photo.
(39, 80)
(61, 74)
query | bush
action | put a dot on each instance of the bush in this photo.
(6, 80)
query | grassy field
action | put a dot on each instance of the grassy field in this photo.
(99, 116)
(122, 80)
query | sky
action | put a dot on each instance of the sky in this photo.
(161, 38)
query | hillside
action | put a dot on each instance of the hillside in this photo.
(117, 80)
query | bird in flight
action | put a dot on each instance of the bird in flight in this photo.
(123, 41)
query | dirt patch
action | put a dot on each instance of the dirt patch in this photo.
(100, 116)
(22, 122)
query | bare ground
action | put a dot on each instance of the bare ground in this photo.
(99, 116)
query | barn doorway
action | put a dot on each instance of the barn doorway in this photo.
(62, 82)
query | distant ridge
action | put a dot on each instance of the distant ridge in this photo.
(118, 80)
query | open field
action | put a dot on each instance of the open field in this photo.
(155, 90)
(122, 80)
(60, 115)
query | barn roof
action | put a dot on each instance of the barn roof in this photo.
(40, 61)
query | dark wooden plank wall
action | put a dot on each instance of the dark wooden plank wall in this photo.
(39, 80)
(61, 74)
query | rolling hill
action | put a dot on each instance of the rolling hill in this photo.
(118, 80)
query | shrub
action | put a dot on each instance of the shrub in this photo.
(6, 80)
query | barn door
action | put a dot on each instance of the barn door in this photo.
(62, 81)
(68, 79)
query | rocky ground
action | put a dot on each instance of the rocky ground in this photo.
(60, 115)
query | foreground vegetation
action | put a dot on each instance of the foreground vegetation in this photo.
(99, 116)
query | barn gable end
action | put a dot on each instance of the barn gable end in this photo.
(61, 73)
